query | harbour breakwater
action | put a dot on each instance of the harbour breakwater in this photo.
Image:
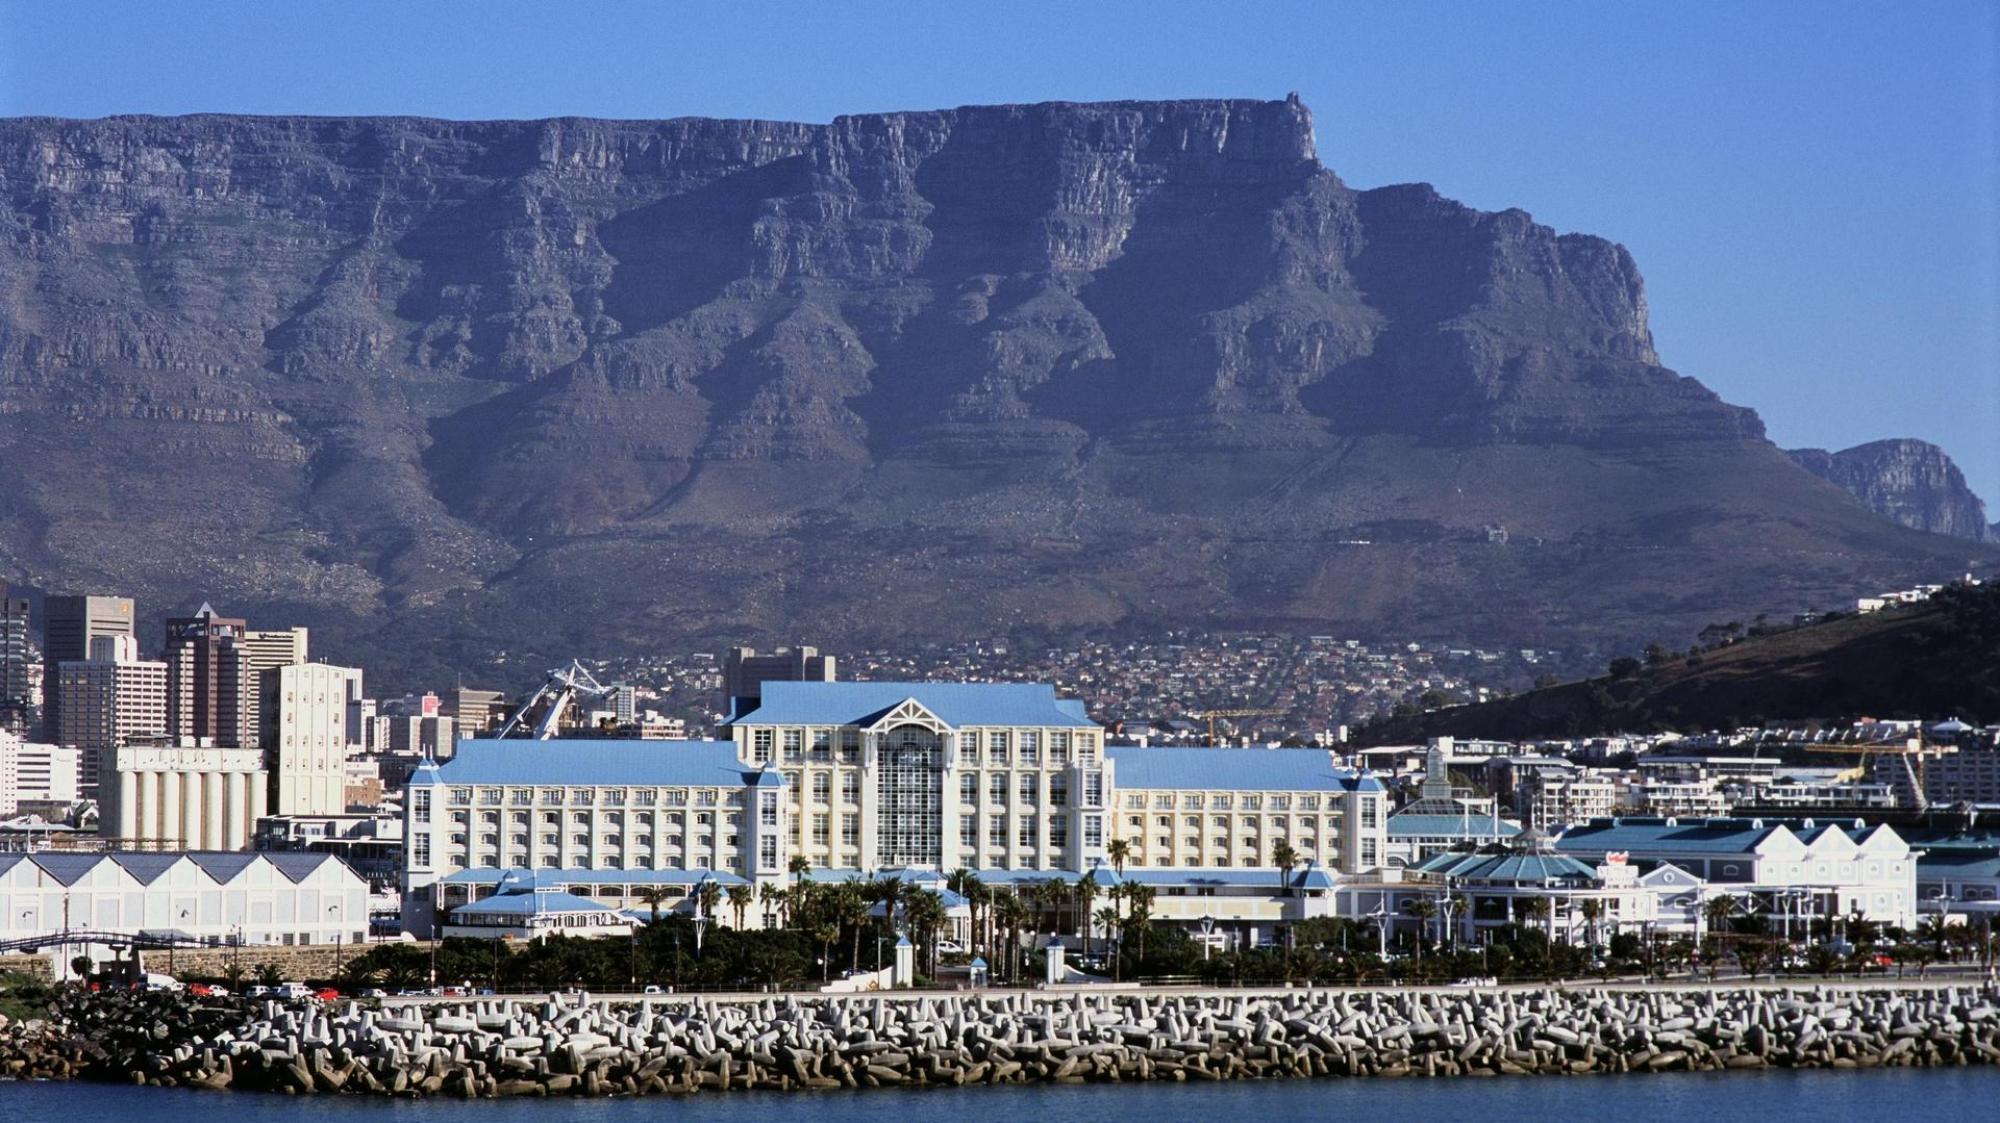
(511, 1047)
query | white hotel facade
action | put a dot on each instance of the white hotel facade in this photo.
(867, 776)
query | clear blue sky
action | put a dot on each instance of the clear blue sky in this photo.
(1812, 189)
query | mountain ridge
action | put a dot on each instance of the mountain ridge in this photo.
(446, 387)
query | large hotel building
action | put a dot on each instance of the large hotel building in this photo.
(873, 776)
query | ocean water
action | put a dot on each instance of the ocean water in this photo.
(1825, 1097)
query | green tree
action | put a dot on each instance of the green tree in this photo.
(741, 897)
(1284, 857)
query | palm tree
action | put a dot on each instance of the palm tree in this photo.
(1284, 857)
(1531, 908)
(1424, 910)
(798, 867)
(740, 899)
(771, 897)
(925, 914)
(707, 897)
(1086, 897)
(1120, 852)
(1138, 913)
(1012, 913)
(850, 910)
(890, 891)
(1108, 918)
(824, 932)
(1592, 910)
(965, 883)
(654, 895)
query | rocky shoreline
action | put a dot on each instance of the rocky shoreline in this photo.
(514, 1047)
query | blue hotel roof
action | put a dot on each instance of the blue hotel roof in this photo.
(1656, 836)
(957, 704)
(588, 762)
(1256, 770)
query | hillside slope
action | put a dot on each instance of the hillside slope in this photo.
(1932, 660)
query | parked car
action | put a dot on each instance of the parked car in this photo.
(327, 994)
(260, 991)
(374, 992)
(293, 992)
(653, 988)
(950, 947)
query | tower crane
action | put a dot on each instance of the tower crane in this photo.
(562, 688)
(1211, 715)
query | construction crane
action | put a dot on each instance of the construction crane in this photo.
(1912, 749)
(1211, 715)
(561, 689)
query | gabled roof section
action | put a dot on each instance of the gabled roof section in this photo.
(224, 865)
(600, 762)
(146, 868)
(1250, 770)
(957, 704)
(68, 868)
(297, 865)
(1700, 837)
(907, 710)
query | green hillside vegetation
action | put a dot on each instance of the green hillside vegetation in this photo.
(1931, 660)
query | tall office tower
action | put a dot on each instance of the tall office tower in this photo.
(744, 672)
(267, 649)
(212, 692)
(306, 704)
(68, 626)
(625, 705)
(16, 686)
(473, 711)
(110, 699)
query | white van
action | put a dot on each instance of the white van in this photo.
(293, 992)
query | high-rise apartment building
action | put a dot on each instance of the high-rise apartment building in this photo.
(17, 703)
(212, 690)
(109, 699)
(266, 650)
(31, 772)
(744, 672)
(474, 711)
(305, 705)
(69, 624)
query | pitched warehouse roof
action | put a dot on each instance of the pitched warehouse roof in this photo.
(1258, 770)
(957, 704)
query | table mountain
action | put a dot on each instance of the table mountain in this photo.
(1911, 482)
(505, 391)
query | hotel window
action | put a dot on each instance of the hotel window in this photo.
(1367, 811)
(1163, 800)
(1028, 830)
(579, 840)
(822, 745)
(614, 797)
(705, 798)
(581, 795)
(521, 797)
(647, 797)
(489, 818)
(1279, 822)
(1162, 842)
(548, 840)
(1086, 748)
(1058, 831)
(767, 853)
(420, 851)
(550, 797)
(850, 829)
(1193, 802)
(518, 841)
(489, 797)
(968, 790)
(1031, 746)
(793, 786)
(1059, 747)
(458, 816)
(1221, 843)
(579, 819)
(1030, 788)
(1367, 852)
(674, 798)
(794, 746)
(822, 788)
(1093, 831)
(996, 746)
(613, 842)
(1093, 789)
(850, 746)
(850, 788)
(643, 842)
(760, 746)
(1253, 803)
(968, 748)
(767, 809)
(1219, 822)
(420, 802)
(1136, 822)
(1309, 802)
(704, 819)
(996, 831)
(734, 819)
(1222, 802)
(461, 796)
(1191, 860)
(996, 789)
(1058, 791)
(822, 829)
(968, 831)
(1281, 803)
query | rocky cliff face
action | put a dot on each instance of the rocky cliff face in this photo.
(456, 388)
(1910, 482)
